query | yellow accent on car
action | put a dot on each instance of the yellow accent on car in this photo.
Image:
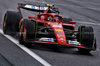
(49, 5)
(58, 30)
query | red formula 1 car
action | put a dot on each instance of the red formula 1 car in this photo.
(48, 27)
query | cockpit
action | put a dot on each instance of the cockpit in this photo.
(51, 17)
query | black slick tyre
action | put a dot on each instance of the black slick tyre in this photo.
(27, 31)
(11, 22)
(85, 37)
(66, 20)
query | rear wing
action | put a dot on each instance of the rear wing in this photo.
(38, 8)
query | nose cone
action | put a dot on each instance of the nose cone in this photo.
(59, 33)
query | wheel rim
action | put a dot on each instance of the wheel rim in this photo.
(20, 33)
(24, 33)
(4, 23)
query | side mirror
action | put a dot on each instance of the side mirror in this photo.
(72, 22)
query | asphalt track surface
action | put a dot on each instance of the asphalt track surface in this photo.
(84, 12)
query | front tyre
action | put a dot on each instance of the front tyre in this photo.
(85, 37)
(27, 31)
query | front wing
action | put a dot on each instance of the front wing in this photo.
(69, 43)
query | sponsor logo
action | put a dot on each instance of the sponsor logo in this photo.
(61, 39)
(71, 42)
(47, 39)
(42, 8)
(59, 35)
(74, 42)
(33, 7)
(56, 26)
(59, 30)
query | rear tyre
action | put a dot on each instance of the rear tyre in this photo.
(85, 37)
(66, 20)
(11, 22)
(94, 47)
(27, 31)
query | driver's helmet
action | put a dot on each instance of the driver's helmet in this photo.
(50, 18)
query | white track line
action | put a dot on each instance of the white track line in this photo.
(32, 54)
(83, 22)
